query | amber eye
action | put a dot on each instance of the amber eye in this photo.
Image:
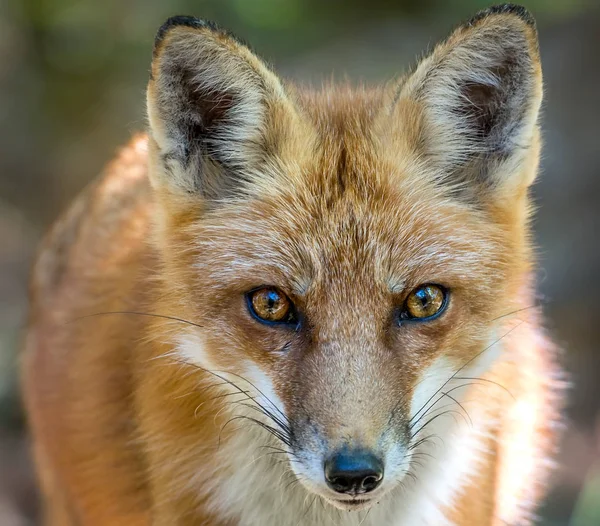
(425, 302)
(270, 305)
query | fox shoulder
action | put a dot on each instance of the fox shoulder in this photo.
(107, 221)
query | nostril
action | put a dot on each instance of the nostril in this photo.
(353, 473)
(371, 482)
(341, 482)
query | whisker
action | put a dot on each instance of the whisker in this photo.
(421, 441)
(365, 517)
(263, 409)
(247, 397)
(237, 387)
(435, 417)
(203, 388)
(260, 392)
(412, 476)
(430, 409)
(535, 305)
(461, 368)
(419, 454)
(486, 380)
(460, 405)
(278, 450)
(307, 510)
(135, 313)
(293, 481)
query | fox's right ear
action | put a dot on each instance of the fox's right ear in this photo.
(216, 112)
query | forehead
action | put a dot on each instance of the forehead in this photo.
(342, 230)
(357, 210)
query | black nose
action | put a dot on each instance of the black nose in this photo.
(353, 473)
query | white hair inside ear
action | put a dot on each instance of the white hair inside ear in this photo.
(209, 102)
(480, 93)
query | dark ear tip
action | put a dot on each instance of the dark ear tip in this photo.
(504, 9)
(181, 20)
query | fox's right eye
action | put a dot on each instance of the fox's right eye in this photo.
(270, 305)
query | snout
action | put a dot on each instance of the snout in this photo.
(351, 475)
(349, 442)
(353, 472)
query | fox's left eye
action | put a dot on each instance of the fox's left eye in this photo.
(424, 303)
(271, 305)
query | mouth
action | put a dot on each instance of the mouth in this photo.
(355, 504)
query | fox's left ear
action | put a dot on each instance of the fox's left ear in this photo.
(472, 106)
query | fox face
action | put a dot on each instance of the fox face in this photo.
(348, 256)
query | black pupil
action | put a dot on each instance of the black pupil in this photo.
(272, 300)
(424, 297)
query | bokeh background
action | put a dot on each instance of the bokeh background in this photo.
(72, 79)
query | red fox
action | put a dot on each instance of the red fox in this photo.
(287, 307)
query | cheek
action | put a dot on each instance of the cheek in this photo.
(227, 344)
(461, 344)
(193, 348)
(428, 384)
(444, 380)
(250, 378)
(265, 393)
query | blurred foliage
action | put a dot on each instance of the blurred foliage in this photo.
(78, 47)
(587, 510)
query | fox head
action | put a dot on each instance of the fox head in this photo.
(345, 252)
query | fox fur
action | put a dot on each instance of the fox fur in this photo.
(155, 398)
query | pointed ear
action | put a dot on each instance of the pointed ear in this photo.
(212, 105)
(475, 101)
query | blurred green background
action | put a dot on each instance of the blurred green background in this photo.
(72, 80)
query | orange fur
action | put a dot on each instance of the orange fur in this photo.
(142, 363)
